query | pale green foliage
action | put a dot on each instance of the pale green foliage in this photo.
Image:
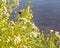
(22, 33)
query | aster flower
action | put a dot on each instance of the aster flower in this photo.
(51, 30)
(57, 34)
(17, 39)
(9, 39)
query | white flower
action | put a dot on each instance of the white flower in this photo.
(12, 27)
(23, 19)
(0, 40)
(24, 27)
(3, 29)
(51, 30)
(24, 46)
(9, 39)
(57, 34)
(5, 9)
(4, 1)
(35, 27)
(7, 14)
(17, 39)
(11, 47)
(12, 22)
(35, 34)
(38, 33)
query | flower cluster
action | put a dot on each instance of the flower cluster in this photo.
(22, 32)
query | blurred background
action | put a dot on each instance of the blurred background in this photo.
(46, 13)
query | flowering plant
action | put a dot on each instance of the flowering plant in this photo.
(22, 33)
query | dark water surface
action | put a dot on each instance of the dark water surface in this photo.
(46, 14)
